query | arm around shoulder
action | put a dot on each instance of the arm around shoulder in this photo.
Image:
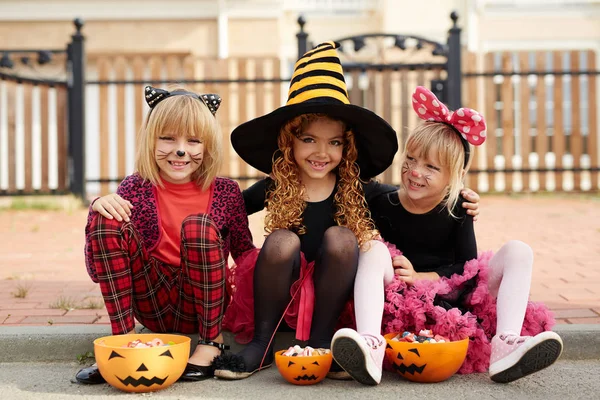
(255, 195)
(241, 237)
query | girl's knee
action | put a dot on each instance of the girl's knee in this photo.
(103, 227)
(339, 238)
(199, 226)
(282, 238)
(101, 222)
(375, 258)
(281, 244)
(518, 249)
(375, 247)
(340, 246)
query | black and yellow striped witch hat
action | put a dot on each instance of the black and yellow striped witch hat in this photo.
(318, 86)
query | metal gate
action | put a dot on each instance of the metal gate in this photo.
(382, 70)
(42, 137)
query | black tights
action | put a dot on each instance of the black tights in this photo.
(278, 266)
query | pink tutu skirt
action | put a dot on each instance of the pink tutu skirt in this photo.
(239, 315)
(412, 309)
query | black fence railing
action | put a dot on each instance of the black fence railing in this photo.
(75, 83)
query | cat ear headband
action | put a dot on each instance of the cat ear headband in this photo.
(154, 96)
(468, 123)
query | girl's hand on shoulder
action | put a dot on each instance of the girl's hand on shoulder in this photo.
(113, 206)
(405, 270)
(472, 203)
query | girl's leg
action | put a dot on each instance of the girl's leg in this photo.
(277, 265)
(202, 289)
(122, 266)
(510, 281)
(375, 271)
(514, 356)
(130, 281)
(361, 353)
(334, 274)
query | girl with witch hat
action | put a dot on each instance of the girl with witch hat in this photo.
(316, 150)
(159, 247)
(439, 282)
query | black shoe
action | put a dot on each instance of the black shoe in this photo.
(90, 375)
(234, 367)
(195, 373)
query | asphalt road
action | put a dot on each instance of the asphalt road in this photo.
(569, 379)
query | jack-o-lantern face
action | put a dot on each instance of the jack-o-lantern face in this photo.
(141, 369)
(303, 370)
(413, 368)
(426, 362)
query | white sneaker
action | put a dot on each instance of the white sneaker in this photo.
(514, 357)
(360, 355)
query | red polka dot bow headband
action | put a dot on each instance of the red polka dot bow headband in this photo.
(468, 123)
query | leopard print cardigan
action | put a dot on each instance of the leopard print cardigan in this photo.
(226, 210)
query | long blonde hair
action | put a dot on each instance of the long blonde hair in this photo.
(444, 140)
(285, 203)
(180, 115)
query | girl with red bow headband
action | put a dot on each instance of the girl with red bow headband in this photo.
(439, 282)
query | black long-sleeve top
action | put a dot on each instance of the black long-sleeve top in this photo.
(317, 216)
(432, 242)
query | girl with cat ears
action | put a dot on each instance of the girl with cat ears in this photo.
(169, 229)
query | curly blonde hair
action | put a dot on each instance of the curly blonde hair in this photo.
(285, 202)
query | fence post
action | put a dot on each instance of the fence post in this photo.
(302, 37)
(76, 104)
(454, 90)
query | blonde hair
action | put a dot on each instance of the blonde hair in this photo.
(285, 203)
(180, 115)
(445, 141)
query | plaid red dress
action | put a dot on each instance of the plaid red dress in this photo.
(188, 298)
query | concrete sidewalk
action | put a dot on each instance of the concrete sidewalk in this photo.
(564, 380)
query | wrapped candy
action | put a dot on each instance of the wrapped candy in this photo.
(138, 344)
(424, 336)
(297, 351)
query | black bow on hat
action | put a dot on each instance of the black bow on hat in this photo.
(156, 95)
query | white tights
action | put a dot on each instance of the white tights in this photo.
(375, 271)
(509, 280)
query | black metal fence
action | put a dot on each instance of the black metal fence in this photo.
(69, 117)
(382, 86)
(448, 89)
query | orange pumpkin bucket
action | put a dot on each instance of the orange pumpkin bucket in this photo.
(425, 362)
(303, 370)
(141, 369)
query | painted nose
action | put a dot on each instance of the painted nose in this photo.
(180, 153)
(415, 173)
